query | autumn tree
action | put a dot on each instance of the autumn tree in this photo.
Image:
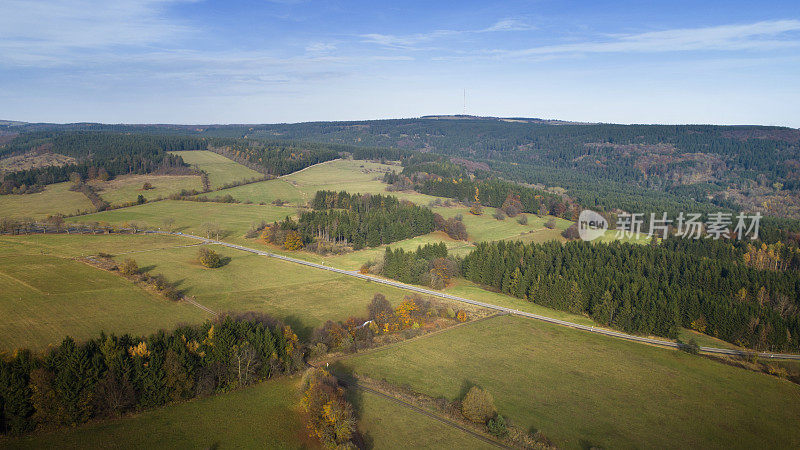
(209, 258)
(293, 241)
(478, 405)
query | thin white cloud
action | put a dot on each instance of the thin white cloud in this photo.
(46, 32)
(510, 24)
(764, 35)
(410, 40)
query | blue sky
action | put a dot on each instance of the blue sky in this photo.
(178, 61)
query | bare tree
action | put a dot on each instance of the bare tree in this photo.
(246, 362)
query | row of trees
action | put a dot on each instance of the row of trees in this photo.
(110, 375)
(648, 289)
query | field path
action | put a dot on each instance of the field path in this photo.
(408, 287)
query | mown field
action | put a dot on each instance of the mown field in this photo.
(127, 188)
(339, 175)
(44, 298)
(585, 390)
(220, 169)
(191, 217)
(302, 296)
(55, 199)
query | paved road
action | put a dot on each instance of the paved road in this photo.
(408, 287)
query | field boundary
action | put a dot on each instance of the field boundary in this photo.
(516, 312)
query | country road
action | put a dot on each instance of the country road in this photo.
(408, 287)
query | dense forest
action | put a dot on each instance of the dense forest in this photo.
(355, 220)
(111, 375)
(95, 153)
(428, 265)
(650, 289)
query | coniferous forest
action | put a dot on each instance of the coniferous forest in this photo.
(649, 289)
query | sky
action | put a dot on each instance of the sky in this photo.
(259, 61)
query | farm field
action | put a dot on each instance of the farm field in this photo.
(55, 199)
(487, 228)
(77, 245)
(127, 188)
(304, 297)
(261, 416)
(339, 175)
(387, 425)
(189, 217)
(265, 415)
(220, 169)
(45, 298)
(586, 390)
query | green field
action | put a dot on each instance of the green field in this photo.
(56, 198)
(487, 228)
(387, 425)
(45, 298)
(127, 188)
(189, 217)
(77, 245)
(261, 416)
(220, 169)
(302, 296)
(340, 175)
(582, 389)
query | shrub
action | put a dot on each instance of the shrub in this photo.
(522, 220)
(140, 199)
(497, 426)
(129, 267)
(147, 186)
(690, 347)
(209, 258)
(551, 223)
(499, 215)
(478, 405)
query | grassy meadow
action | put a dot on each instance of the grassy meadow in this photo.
(339, 175)
(302, 296)
(44, 298)
(55, 199)
(585, 390)
(220, 169)
(189, 217)
(265, 415)
(127, 188)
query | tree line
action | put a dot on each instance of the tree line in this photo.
(111, 375)
(649, 289)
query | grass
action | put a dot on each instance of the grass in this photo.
(220, 169)
(387, 425)
(302, 296)
(44, 298)
(234, 219)
(260, 416)
(76, 245)
(127, 188)
(340, 175)
(582, 389)
(487, 228)
(55, 199)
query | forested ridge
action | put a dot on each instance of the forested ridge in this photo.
(649, 289)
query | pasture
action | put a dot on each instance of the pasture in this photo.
(127, 188)
(265, 415)
(585, 390)
(220, 169)
(44, 298)
(55, 199)
(233, 219)
(302, 296)
(340, 175)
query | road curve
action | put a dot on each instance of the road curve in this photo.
(408, 287)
